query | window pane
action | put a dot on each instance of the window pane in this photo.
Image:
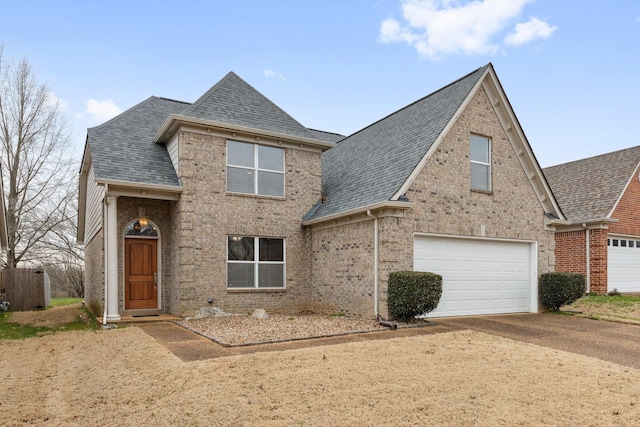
(479, 151)
(240, 248)
(270, 158)
(271, 184)
(240, 180)
(480, 177)
(271, 250)
(239, 154)
(136, 228)
(271, 276)
(240, 275)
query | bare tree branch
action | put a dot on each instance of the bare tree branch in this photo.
(38, 172)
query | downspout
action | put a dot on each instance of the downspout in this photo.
(376, 283)
(106, 251)
(588, 256)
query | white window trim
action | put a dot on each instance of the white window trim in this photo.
(256, 168)
(488, 164)
(256, 261)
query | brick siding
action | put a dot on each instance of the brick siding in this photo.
(571, 245)
(206, 214)
(627, 212)
(444, 205)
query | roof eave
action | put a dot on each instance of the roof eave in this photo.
(582, 223)
(140, 185)
(362, 209)
(174, 121)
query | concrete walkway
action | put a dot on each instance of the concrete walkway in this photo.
(189, 346)
(613, 342)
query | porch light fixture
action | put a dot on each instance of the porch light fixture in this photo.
(143, 220)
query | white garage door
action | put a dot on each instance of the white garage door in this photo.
(479, 276)
(623, 264)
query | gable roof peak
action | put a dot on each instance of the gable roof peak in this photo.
(235, 102)
(370, 166)
(590, 188)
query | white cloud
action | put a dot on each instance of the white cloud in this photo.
(528, 31)
(436, 28)
(272, 74)
(52, 100)
(102, 110)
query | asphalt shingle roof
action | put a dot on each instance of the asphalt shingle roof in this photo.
(327, 136)
(589, 188)
(122, 149)
(234, 101)
(371, 165)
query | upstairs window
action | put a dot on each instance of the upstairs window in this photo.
(255, 262)
(255, 169)
(480, 155)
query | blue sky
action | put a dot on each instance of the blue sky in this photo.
(570, 68)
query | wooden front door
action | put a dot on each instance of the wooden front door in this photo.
(140, 273)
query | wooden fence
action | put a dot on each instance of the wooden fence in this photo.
(26, 288)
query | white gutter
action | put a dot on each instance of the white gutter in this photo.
(588, 252)
(139, 185)
(106, 252)
(376, 283)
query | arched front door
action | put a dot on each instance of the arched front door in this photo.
(141, 265)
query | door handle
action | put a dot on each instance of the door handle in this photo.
(155, 278)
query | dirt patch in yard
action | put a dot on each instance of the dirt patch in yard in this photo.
(50, 318)
(124, 377)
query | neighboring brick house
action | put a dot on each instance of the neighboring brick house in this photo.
(600, 195)
(231, 203)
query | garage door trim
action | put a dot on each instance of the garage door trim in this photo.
(533, 258)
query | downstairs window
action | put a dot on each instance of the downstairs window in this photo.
(255, 262)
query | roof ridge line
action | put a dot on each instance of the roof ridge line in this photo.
(418, 100)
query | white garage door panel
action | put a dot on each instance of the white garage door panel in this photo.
(623, 265)
(478, 276)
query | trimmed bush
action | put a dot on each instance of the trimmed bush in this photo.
(412, 293)
(558, 289)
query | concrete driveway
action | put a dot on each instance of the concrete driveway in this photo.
(609, 341)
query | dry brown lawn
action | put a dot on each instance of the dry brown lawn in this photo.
(124, 377)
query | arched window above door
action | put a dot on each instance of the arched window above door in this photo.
(141, 227)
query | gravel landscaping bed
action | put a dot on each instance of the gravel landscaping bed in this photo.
(237, 330)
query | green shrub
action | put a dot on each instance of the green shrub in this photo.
(558, 289)
(412, 293)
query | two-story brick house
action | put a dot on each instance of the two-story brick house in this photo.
(230, 202)
(600, 197)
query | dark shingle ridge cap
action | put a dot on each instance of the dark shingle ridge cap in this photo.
(330, 133)
(327, 136)
(419, 100)
(175, 100)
